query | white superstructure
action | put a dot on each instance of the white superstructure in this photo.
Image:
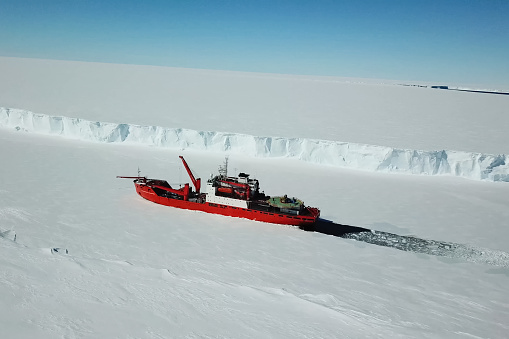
(211, 197)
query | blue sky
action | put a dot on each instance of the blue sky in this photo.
(444, 41)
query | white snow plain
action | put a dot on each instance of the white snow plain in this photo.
(84, 257)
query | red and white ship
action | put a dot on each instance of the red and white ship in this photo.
(231, 196)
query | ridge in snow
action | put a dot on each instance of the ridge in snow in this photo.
(475, 166)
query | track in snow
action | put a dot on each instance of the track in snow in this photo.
(413, 244)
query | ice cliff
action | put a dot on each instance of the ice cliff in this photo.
(334, 153)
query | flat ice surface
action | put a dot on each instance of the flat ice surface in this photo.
(83, 256)
(327, 108)
(137, 269)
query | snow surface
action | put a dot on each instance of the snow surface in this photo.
(361, 111)
(83, 256)
(356, 156)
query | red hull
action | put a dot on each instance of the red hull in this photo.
(276, 218)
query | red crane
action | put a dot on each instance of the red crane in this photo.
(196, 182)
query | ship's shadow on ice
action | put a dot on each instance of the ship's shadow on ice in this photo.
(411, 244)
(331, 228)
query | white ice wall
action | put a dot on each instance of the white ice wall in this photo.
(343, 154)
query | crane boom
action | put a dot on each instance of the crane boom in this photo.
(196, 182)
(143, 179)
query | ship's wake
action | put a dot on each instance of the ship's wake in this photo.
(414, 244)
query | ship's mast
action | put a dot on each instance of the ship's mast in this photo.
(223, 170)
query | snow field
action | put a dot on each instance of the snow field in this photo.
(358, 111)
(135, 269)
(138, 269)
(333, 153)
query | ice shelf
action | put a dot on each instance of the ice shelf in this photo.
(476, 166)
